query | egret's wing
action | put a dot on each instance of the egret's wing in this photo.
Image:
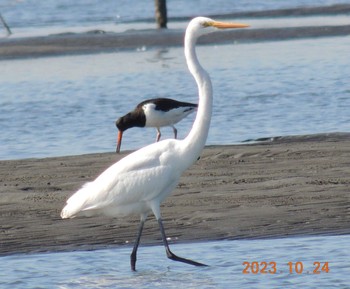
(138, 177)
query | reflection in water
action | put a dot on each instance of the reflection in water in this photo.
(162, 56)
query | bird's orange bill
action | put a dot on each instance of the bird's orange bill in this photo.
(119, 141)
(225, 25)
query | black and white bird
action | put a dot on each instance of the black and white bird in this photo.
(155, 112)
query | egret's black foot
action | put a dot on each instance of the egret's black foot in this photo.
(133, 262)
(173, 257)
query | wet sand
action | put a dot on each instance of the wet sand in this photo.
(98, 41)
(275, 188)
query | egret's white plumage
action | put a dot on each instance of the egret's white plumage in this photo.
(142, 180)
(129, 186)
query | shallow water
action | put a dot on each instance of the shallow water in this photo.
(67, 105)
(109, 268)
(30, 15)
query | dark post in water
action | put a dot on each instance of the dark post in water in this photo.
(161, 13)
(2, 20)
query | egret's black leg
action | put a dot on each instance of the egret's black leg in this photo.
(170, 254)
(136, 245)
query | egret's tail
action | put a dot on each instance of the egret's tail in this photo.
(67, 212)
(71, 209)
(77, 202)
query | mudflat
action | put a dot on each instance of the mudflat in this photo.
(274, 188)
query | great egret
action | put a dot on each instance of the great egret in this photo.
(138, 183)
(156, 112)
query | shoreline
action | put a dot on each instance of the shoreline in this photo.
(281, 187)
(100, 41)
(95, 42)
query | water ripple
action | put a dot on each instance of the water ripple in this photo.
(109, 268)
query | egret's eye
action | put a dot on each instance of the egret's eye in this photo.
(206, 24)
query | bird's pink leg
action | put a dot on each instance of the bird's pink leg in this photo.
(158, 134)
(175, 132)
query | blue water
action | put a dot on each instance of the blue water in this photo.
(68, 105)
(29, 14)
(109, 268)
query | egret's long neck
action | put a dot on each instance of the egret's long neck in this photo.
(195, 141)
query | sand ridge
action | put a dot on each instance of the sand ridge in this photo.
(275, 188)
